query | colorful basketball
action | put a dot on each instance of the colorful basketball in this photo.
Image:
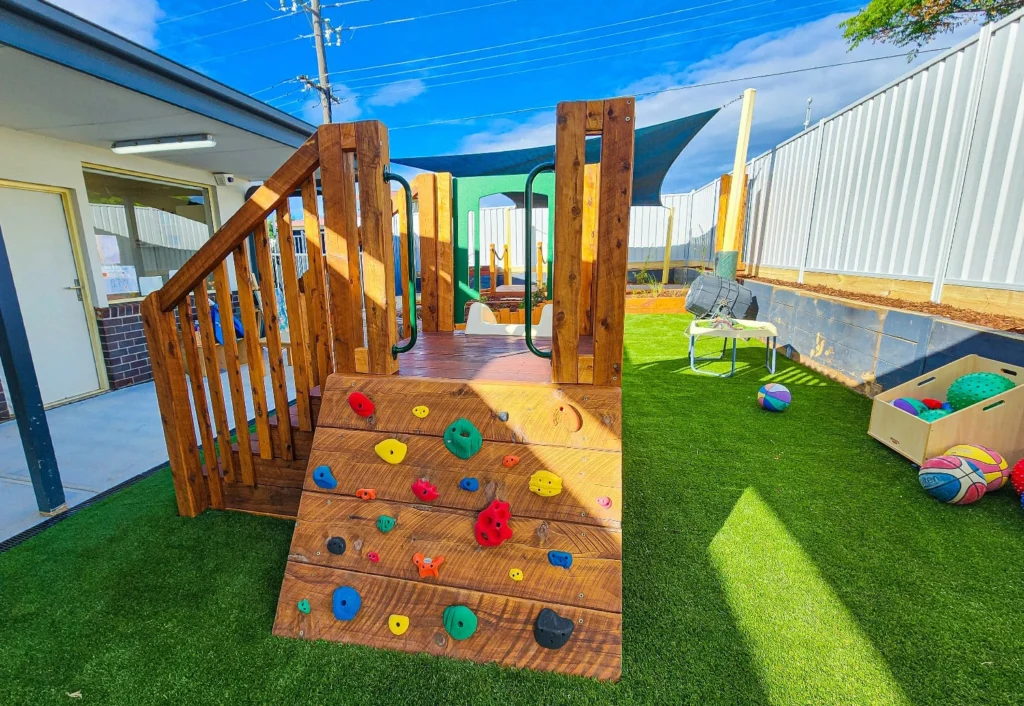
(910, 405)
(975, 387)
(993, 466)
(952, 479)
(1017, 477)
(774, 397)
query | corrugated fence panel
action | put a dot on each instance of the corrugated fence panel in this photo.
(648, 226)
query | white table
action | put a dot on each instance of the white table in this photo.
(744, 331)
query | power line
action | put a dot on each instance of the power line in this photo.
(434, 14)
(519, 111)
(226, 31)
(201, 12)
(244, 51)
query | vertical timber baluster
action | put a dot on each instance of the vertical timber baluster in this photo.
(445, 254)
(272, 330)
(588, 262)
(425, 191)
(202, 410)
(213, 381)
(316, 288)
(253, 352)
(296, 332)
(222, 287)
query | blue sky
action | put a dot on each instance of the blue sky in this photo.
(684, 42)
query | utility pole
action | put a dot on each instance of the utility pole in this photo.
(324, 87)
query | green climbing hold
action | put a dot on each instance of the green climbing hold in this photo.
(974, 387)
(462, 438)
(386, 523)
(303, 606)
(459, 621)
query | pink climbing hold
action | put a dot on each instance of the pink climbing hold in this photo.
(604, 501)
(360, 404)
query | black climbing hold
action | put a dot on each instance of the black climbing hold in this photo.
(336, 545)
(552, 630)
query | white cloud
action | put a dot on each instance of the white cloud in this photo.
(780, 104)
(397, 93)
(133, 19)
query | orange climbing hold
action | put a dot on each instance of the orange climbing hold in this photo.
(366, 494)
(360, 404)
(428, 566)
(509, 461)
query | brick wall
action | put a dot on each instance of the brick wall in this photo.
(124, 344)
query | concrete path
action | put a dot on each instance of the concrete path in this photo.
(99, 442)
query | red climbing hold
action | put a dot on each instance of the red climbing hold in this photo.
(361, 404)
(492, 526)
(373, 556)
(424, 490)
(509, 461)
(932, 404)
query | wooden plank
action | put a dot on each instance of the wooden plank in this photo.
(175, 413)
(274, 500)
(426, 186)
(339, 228)
(595, 580)
(445, 255)
(254, 351)
(266, 198)
(316, 287)
(613, 239)
(586, 368)
(537, 413)
(222, 287)
(296, 331)
(378, 246)
(587, 474)
(595, 117)
(570, 159)
(724, 187)
(202, 410)
(399, 206)
(213, 381)
(588, 248)
(504, 633)
(362, 360)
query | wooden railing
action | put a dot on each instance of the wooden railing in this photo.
(324, 307)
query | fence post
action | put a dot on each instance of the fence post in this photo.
(668, 245)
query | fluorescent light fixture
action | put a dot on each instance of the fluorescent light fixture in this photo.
(163, 144)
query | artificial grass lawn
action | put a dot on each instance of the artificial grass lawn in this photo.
(767, 559)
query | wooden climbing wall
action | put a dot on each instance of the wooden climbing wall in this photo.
(573, 432)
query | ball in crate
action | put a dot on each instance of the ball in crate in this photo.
(993, 466)
(1017, 477)
(976, 387)
(774, 397)
(910, 405)
(952, 480)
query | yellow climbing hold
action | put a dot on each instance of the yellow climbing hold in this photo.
(515, 574)
(421, 411)
(398, 624)
(391, 450)
(545, 484)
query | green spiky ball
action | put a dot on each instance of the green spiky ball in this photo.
(931, 415)
(974, 387)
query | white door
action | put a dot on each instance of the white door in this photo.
(38, 243)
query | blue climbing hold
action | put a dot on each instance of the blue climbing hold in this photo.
(562, 559)
(346, 602)
(323, 478)
(470, 484)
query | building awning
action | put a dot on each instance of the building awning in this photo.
(657, 148)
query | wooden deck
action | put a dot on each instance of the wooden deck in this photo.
(457, 356)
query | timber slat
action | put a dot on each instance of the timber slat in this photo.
(504, 633)
(299, 355)
(588, 259)
(316, 288)
(425, 187)
(253, 349)
(222, 287)
(445, 254)
(217, 399)
(263, 499)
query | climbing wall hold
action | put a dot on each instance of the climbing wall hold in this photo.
(336, 545)
(567, 416)
(545, 484)
(366, 494)
(391, 450)
(360, 404)
(398, 624)
(373, 556)
(424, 490)
(562, 559)
(428, 566)
(492, 525)
(509, 461)
(303, 606)
(386, 523)
(459, 622)
(346, 602)
(515, 574)
(552, 630)
(604, 501)
(462, 438)
(421, 411)
(470, 484)
(503, 416)
(323, 478)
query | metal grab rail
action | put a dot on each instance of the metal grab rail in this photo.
(528, 199)
(410, 291)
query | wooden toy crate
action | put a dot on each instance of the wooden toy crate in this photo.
(997, 422)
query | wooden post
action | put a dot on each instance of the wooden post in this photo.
(540, 262)
(315, 279)
(507, 263)
(667, 262)
(506, 268)
(222, 287)
(733, 238)
(300, 358)
(588, 264)
(424, 190)
(253, 350)
(445, 255)
(493, 275)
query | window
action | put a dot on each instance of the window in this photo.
(145, 229)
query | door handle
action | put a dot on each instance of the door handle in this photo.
(76, 288)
